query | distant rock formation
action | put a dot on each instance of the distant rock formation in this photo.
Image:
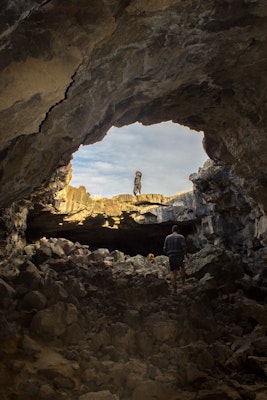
(217, 211)
(125, 222)
(143, 208)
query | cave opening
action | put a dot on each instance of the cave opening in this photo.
(131, 238)
(165, 153)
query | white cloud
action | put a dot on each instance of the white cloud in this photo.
(166, 154)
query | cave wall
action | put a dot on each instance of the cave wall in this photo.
(68, 72)
(228, 217)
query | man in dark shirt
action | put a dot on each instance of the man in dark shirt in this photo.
(175, 248)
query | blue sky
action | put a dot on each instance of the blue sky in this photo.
(165, 153)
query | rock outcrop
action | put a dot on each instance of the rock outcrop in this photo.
(125, 222)
(218, 211)
(80, 324)
(228, 216)
(13, 219)
(70, 72)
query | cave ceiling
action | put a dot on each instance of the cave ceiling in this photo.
(70, 70)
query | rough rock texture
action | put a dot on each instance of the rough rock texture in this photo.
(124, 222)
(79, 324)
(77, 204)
(13, 219)
(83, 325)
(218, 211)
(70, 71)
(228, 216)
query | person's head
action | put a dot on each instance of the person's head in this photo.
(175, 228)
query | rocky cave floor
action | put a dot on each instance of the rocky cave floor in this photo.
(82, 325)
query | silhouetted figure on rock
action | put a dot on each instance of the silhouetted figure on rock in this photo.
(137, 183)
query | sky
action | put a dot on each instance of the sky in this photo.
(165, 153)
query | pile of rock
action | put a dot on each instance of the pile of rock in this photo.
(79, 324)
(227, 215)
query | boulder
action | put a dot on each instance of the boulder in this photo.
(54, 291)
(100, 339)
(30, 249)
(138, 261)
(149, 389)
(117, 255)
(51, 367)
(223, 264)
(101, 395)
(165, 332)
(54, 320)
(7, 294)
(241, 350)
(57, 251)
(98, 255)
(42, 254)
(249, 310)
(73, 334)
(29, 276)
(34, 299)
(75, 287)
(61, 264)
(257, 365)
(66, 245)
(8, 329)
(29, 346)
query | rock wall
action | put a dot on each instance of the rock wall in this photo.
(228, 216)
(69, 72)
(14, 218)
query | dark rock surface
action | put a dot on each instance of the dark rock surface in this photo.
(78, 324)
(107, 327)
(69, 72)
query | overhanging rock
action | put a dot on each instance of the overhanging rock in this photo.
(70, 71)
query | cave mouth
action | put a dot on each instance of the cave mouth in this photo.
(166, 154)
(131, 238)
(142, 239)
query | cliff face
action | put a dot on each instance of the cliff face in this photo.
(218, 211)
(125, 222)
(70, 71)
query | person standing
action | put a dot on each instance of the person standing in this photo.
(137, 183)
(175, 248)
